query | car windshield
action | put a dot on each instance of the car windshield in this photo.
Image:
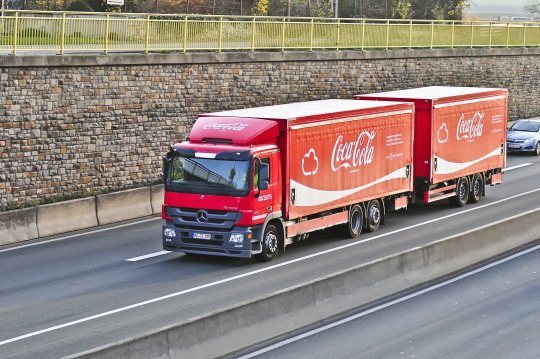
(208, 176)
(526, 126)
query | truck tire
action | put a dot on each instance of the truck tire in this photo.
(462, 193)
(374, 216)
(353, 227)
(477, 188)
(269, 243)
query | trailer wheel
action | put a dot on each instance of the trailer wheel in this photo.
(354, 226)
(374, 216)
(270, 243)
(462, 193)
(477, 188)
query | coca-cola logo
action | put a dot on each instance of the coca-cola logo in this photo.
(470, 128)
(354, 153)
(225, 126)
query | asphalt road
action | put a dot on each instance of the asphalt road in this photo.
(71, 293)
(494, 313)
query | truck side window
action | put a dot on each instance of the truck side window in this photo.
(256, 171)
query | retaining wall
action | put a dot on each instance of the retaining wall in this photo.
(77, 124)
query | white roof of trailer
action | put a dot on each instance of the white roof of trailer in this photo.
(431, 92)
(301, 109)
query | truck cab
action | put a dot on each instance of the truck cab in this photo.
(221, 186)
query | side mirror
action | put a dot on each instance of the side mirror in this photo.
(166, 165)
(264, 176)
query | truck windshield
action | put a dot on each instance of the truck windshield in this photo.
(208, 176)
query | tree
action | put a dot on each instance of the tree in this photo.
(79, 5)
(532, 7)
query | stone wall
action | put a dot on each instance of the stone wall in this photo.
(79, 124)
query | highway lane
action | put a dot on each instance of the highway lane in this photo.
(491, 312)
(58, 283)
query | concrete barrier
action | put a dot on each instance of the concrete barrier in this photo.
(120, 206)
(17, 226)
(157, 194)
(66, 216)
(239, 326)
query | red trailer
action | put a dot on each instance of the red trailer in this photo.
(250, 181)
(460, 136)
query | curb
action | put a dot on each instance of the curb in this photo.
(56, 218)
(246, 324)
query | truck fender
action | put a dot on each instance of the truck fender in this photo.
(277, 219)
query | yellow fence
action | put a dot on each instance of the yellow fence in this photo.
(70, 32)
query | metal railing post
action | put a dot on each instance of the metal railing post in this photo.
(410, 34)
(490, 34)
(220, 39)
(432, 34)
(283, 36)
(337, 33)
(106, 48)
(507, 35)
(387, 33)
(253, 35)
(185, 32)
(63, 36)
(363, 33)
(147, 35)
(453, 33)
(15, 32)
(472, 35)
(312, 29)
(524, 35)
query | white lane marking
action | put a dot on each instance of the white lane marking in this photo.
(516, 167)
(383, 306)
(78, 235)
(265, 269)
(151, 255)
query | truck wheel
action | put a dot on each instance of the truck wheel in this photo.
(477, 188)
(270, 242)
(354, 226)
(462, 193)
(374, 216)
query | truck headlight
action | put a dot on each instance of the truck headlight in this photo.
(169, 232)
(236, 238)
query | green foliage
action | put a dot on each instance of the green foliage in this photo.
(80, 5)
(532, 7)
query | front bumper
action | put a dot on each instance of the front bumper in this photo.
(520, 147)
(211, 242)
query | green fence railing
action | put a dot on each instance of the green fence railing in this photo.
(70, 32)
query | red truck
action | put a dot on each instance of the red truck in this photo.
(249, 182)
(459, 140)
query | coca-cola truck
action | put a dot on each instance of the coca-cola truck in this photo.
(459, 139)
(249, 182)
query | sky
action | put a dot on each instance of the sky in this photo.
(493, 8)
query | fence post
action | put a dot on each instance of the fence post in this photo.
(220, 40)
(490, 34)
(185, 32)
(283, 36)
(311, 35)
(472, 35)
(432, 33)
(147, 35)
(453, 33)
(106, 48)
(253, 36)
(63, 39)
(363, 33)
(387, 33)
(410, 34)
(15, 32)
(337, 33)
(524, 35)
(507, 35)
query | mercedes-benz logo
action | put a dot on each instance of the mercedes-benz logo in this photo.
(202, 216)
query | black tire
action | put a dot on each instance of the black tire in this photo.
(537, 149)
(353, 227)
(374, 216)
(270, 243)
(462, 193)
(477, 188)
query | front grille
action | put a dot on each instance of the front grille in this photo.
(216, 220)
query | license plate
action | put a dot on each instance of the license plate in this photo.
(202, 235)
(514, 146)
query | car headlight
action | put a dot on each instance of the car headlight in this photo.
(529, 140)
(236, 238)
(169, 232)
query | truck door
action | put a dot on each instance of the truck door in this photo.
(263, 192)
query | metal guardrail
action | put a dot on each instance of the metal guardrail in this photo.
(71, 32)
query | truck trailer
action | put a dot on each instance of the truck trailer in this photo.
(249, 182)
(459, 140)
